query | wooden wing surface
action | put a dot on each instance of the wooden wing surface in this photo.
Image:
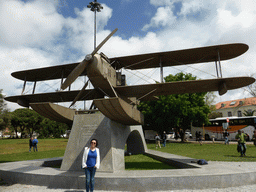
(180, 57)
(148, 91)
(143, 61)
(46, 73)
(141, 92)
(54, 97)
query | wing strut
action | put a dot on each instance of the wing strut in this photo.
(161, 70)
(147, 94)
(218, 69)
(24, 85)
(34, 87)
(112, 88)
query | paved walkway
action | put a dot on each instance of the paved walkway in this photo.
(34, 188)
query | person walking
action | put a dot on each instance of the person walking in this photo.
(254, 138)
(164, 139)
(157, 138)
(197, 136)
(200, 138)
(30, 143)
(240, 137)
(225, 135)
(35, 142)
(91, 162)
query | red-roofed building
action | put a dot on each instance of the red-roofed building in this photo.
(236, 107)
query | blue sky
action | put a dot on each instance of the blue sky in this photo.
(40, 33)
(128, 15)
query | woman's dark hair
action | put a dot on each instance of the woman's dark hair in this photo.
(96, 142)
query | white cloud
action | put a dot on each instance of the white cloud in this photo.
(33, 23)
(164, 17)
(31, 36)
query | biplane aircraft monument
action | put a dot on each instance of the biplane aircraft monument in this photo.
(113, 98)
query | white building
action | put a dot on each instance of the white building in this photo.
(236, 107)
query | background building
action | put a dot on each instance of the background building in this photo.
(237, 107)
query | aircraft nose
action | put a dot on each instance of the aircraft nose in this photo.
(88, 57)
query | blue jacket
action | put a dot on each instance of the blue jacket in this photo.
(35, 141)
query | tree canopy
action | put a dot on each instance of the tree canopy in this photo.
(177, 110)
(27, 121)
(3, 113)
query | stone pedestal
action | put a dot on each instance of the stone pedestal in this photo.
(111, 136)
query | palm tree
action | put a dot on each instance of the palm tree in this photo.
(248, 113)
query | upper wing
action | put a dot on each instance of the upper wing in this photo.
(171, 58)
(181, 57)
(146, 92)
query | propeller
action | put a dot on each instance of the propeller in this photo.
(79, 94)
(81, 66)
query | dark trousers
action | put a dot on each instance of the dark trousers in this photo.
(89, 182)
(35, 147)
(242, 147)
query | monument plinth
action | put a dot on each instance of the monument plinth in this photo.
(112, 137)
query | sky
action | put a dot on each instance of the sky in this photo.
(41, 33)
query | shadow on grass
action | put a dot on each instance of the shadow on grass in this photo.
(236, 156)
(5, 161)
(146, 166)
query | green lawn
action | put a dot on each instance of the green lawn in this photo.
(18, 149)
(213, 152)
(143, 162)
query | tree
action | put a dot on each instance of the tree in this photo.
(210, 98)
(50, 128)
(2, 102)
(214, 114)
(248, 113)
(3, 113)
(25, 120)
(251, 89)
(177, 110)
(28, 121)
(4, 120)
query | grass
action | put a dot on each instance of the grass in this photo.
(18, 149)
(209, 152)
(143, 162)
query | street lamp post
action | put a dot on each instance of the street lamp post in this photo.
(95, 7)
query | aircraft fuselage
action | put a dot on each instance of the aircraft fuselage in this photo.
(101, 73)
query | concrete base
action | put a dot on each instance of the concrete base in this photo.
(213, 175)
(112, 137)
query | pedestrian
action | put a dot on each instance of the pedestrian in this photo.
(254, 138)
(164, 139)
(241, 147)
(30, 143)
(35, 142)
(200, 137)
(225, 135)
(91, 162)
(197, 137)
(182, 135)
(157, 138)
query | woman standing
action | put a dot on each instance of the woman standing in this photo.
(91, 162)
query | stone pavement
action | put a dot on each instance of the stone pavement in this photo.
(34, 188)
(207, 177)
